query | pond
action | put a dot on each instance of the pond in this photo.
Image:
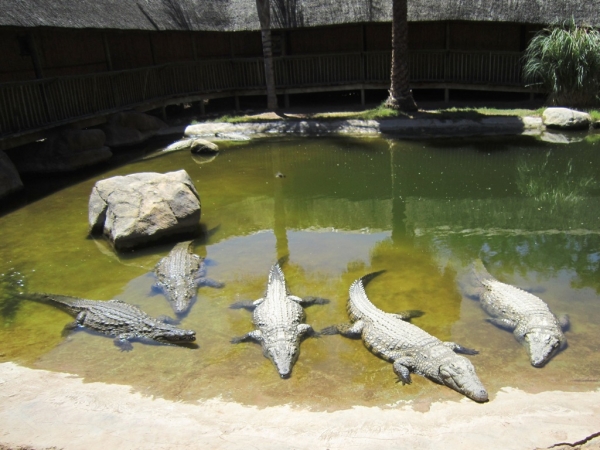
(421, 210)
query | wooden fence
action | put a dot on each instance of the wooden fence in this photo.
(30, 105)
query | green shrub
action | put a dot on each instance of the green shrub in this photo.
(565, 60)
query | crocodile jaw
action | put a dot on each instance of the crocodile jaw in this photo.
(541, 346)
(460, 375)
(175, 335)
(283, 355)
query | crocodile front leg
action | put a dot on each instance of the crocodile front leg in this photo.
(350, 330)
(402, 368)
(255, 335)
(122, 341)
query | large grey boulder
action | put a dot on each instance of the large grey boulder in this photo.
(131, 128)
(10, 181)
(566, 119)
(136, 209)
(64, 151)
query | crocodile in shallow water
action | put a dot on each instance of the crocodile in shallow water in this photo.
(179, 274)
(116, 318)
(527, 316)
(407, 346)
(279, 318)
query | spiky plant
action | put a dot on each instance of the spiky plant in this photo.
(565, 60)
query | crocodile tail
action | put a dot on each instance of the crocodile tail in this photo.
(479, 273)
(281, 261)
(365, 279)
(276, 285)
(358, 303)
(64, 302)
(43, 297)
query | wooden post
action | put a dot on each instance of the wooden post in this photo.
(152, 49)
(362, 96)
(109, 64)
(194, 49)
(35, 56)
(286, 100)
(446, 95)
(202, 109)
(447, 55)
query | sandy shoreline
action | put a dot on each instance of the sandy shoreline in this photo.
(48, 409)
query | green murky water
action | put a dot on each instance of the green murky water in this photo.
(421, 210)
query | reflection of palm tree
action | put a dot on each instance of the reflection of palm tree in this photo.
(413, 281)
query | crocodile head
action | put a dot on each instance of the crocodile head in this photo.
(542, 344)
(283, 354)
(459, 374)
(173, 335)
(180, 296)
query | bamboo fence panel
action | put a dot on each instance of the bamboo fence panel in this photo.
(33, 104)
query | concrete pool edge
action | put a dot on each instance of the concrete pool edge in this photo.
(49, 409)
(398, 127)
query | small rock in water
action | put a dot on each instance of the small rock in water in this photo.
(279, 175)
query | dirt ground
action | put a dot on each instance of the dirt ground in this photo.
(44, 410)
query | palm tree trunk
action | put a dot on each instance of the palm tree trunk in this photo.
(400, 93)
(264, 15)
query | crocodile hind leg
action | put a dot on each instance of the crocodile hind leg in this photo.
(460, 349)
(307, 301)
(305, 330)
(350, 330)
(407, 315)
(503, 323)
(69, 327)
(78, 322)
(246, 304)
(255, 335)
(202, 281)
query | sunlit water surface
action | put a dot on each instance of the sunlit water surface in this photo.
(423, 211)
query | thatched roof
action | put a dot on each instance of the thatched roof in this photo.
(240, 15)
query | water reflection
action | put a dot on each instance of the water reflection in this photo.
(553, 186)
(422, 211)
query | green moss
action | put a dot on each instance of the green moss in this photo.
(595, 114)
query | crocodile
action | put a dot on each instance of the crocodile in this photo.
(116, 318)
(179, 274)
(526, 315)
(408, 347)
(279, 317)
